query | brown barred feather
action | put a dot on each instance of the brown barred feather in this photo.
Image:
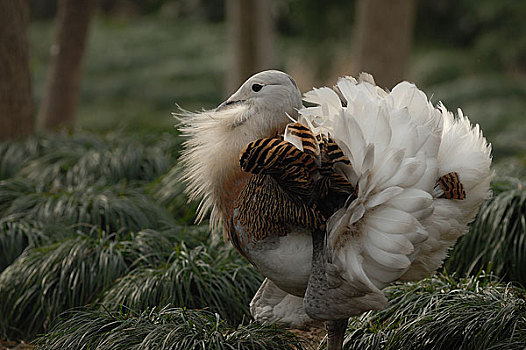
(308, 140)
(290, 167)
(334, 153)
(451, 186)
(295, 189)
(253, 221)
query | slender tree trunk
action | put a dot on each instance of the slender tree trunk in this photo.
(251, 36)
(383, 37)
(16, 103)
(60, 98)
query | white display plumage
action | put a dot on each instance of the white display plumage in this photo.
(396, 226)
(398, 144)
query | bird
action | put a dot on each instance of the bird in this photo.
(334, 201)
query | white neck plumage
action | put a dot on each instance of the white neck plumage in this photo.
(211, 157)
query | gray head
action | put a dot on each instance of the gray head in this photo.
(269, 95)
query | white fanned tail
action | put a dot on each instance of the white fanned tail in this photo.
(398, 145)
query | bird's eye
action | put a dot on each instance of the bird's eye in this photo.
(256, 87)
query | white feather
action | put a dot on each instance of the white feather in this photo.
(209, 154)
(294, 139)
(398, 144)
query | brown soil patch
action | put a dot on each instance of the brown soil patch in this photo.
(313, 337)
(13, 345)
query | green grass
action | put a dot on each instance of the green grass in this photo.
(16, 235)
(87, 158)
(43, 282)
(161, 329)
(61, 269)
(202, 277)
(113, 208)
(58, 197)
(444, 312)
(57, 257)
(497, 237)
(151, 247)
(88, 179)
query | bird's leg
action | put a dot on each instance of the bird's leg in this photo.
(318, 301)
(336, 333)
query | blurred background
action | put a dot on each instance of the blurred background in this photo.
(133, 61)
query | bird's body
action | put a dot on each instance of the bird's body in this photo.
(272, 236)
(212, 167)
(290, 195)
(329, 222)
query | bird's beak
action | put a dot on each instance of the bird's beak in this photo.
(227, 104)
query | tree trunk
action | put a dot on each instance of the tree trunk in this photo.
(251, 38)
(59, 102)
(383, 36)
(16, 103)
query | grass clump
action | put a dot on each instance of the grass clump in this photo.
(497, 239)
(112, 208)
(14, 154)
(85, 159)
(200, 277)
(16, 235)
(107, 164)
(152, 247)
(166, 329)
(45, 281)
(442, 312)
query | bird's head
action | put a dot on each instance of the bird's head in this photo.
(262, 103)
(259, 108)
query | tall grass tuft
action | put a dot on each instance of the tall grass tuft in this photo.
(45, 281)
(497, 239)
(14, 154)
(200, 277)
(166, 329)
(113, 208)
(16, 235)
(442, 312)
(12, 189)
(151, 247)
(79, 166)
(84, 158)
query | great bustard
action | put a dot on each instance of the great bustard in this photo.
(368, 188)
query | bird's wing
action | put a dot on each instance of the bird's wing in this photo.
(277, 195)
(393, 141)
(331, 187)
(273, 305)
(288, 165)
(303, 139)
(310, 170)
